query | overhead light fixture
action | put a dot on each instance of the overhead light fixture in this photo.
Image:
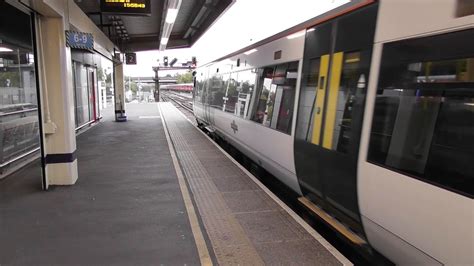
(310, 30)
(250, 51)
(171, 15)
(5, 49)
(295, 35)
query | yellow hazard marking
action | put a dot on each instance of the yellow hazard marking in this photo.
(346, 232)
(331, 103)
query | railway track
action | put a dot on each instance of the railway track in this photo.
(182, 102)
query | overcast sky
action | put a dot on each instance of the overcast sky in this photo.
(245, 22)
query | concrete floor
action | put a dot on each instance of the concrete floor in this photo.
(126, 207)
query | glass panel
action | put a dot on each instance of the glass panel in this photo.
(267, 119)
(231, 94)
(216, 91)
(285, 113)
(226, 82)
(352, 85)
(82, 94)
(424, 111)
(19, 128)
(245, 87)
(198, 94)
(262, 92)
(308, 100)
(275, 93)
(91, 88)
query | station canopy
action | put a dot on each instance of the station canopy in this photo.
(140, 25)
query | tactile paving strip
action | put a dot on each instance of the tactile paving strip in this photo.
(251, 231)
(230, 243)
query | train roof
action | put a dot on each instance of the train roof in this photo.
(336, 12)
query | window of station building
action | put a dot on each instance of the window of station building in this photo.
(274, 96)
(92, 74)
(423, 123)
(81, 91)
(19, 126)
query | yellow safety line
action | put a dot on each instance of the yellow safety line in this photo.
(320, 94)
(353, 237)
(331, 108)
(203, 251)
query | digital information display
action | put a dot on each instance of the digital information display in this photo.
(126, 7)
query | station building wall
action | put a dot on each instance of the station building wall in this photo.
(41, 79)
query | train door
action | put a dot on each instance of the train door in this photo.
(207, 98)
(93, 115)
(335, 68)
(200, 95)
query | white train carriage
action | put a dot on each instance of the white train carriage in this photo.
(367, 112)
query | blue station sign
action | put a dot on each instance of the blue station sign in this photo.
(79, 40)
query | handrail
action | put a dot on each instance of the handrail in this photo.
(19, 112)
(19, 157)
(85, 125)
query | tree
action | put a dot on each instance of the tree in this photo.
(184, 78)
(130, 84)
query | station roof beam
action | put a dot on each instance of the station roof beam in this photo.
(141, 33)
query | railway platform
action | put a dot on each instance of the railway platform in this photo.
(153, 190)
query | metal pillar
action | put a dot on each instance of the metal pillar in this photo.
(157, 85)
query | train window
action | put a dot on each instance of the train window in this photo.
(423, 122)
(231, 94)
(352, 84)
(199, 89)
(245, 85)
(216, 91)
(261, 94)
(308, 94)
(276, 93)
(328, 112)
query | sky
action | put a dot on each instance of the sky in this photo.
(244, 23)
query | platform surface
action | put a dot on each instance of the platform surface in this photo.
(245, 225)
(128, 206)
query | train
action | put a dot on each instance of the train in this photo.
(186, 87)
(367, 113)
